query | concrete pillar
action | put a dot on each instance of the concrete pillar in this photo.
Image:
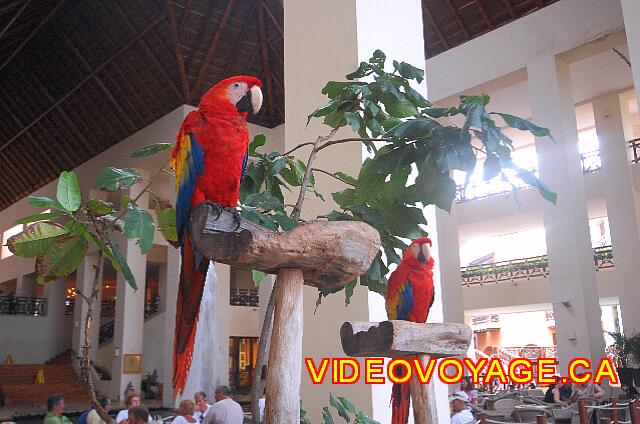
(448, 250)
(631, 12)
(84, 284)
(620, 206)
(314, 56)
(168, 282)
(128, 336)
(572, 273)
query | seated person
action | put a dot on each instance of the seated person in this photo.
(93, 417)
(560, 395)
(131, 401)
(589, 392)
(185, 413)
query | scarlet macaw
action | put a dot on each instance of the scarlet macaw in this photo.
(410, 294)
(209, 159)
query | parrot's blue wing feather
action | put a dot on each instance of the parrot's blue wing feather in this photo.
(189, 165)
(245, 160)
(405, 301)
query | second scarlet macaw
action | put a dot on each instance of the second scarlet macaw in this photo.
(410, 294)
(209, 159)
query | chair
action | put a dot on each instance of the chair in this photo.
(506, 406)
(490, 402)
(491, 414)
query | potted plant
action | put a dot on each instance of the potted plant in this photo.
(625, 352)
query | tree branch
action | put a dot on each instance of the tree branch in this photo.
(332, 175)
(309, 143)
(347, 140)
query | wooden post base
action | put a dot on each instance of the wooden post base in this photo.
(422, 412)
(285, 355)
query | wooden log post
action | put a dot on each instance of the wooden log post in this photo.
(316, 253)
(633, 410)
(541, 419)
(582, 412)
(395, 339)
(614, 410)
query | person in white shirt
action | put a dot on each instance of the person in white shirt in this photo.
(131, 401)
(460, 413)
(202, 406)
(185, 413)
(225, 410)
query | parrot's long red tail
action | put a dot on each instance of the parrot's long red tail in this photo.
(400, 404)
(190, 289)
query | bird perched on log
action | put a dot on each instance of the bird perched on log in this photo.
(209, 160)
(410, 294)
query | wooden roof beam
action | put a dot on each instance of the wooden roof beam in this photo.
(213, 46)
(243, 30)
(134, 40)
(273, 18)
(540, 4)
(456, 15)
(510, 8)
(435, 26)
(266, 65)
(175, 38)
(124, 115)
(13, 19)
(30, 36)
(483, 12)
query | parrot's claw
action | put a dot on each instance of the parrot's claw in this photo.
(216, 208)
(236, 217)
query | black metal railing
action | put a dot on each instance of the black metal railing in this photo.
(151, 307)
(20, 305)
(107, 308)
(244, 297)
(485, 319)
(526, 268)
(634, 145)
(591, 162)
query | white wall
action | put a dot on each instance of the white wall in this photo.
(243, 321)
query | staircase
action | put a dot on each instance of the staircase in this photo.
(63, 357)
(17, 384)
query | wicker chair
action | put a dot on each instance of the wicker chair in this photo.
(506, 406)
(528, 415)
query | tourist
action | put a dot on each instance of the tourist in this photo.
(55, 408)
(460, 413)
(131, 401)
(202, 406)
(467, 386)
(185, 413)
(138, 415)
(93, 417)
(225, 410)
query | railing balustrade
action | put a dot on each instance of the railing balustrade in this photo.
(151, 307)
(244, 297)
(634, 145)
(591, 162)
(527, 268)
(21, 305)
(107, 308)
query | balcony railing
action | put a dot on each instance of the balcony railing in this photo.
(244, 297)
(591, 162)
(107, 308)
(634, 145)
(527, 268)
(151, 307)
(485, 319)
(34, 306)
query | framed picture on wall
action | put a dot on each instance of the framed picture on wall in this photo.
(131, 363)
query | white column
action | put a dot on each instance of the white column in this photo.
(84, 284)
(315, 55)
(169, 278)
(448, 250)
(128, 336)
(572, 273)
(631, 12)
(621, 208)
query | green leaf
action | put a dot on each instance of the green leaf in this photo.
(354, 121)
(335, 119)
(368, 182)
(258, 277)
(333, 89)
(151, 149)
(533, 181)
(45, 202)
(258, 141)
(99, 207)
(339, 407)
(338, 216)
(265, 201)
(285, 222)
(35, 239)
(124, 266)
(344, 198)
(125, 201)
(524, 125)
(347, 405)
(491, 167)
(409, 71)
(106, 252)
(399, 108)
(326, 416)
(390, 161)
(348, 292)
(68, 191)
(435, 187)
(166, 216)
(413, 129)
(347, 179)
(39, 217)
(62, 257)
(475, 100)
(139, 224)
(403, 221)
(117, 178)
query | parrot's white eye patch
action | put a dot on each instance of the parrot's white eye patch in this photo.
(415, 249)
(236, 91)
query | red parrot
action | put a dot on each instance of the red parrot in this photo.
(410, 294)
(209, 160)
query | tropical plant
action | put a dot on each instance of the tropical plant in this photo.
(345, 409)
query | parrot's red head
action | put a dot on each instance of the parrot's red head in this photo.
(242, 92)
(419, 252)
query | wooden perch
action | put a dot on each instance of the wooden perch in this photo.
(396, 339)
(329, 253)
(316, 253)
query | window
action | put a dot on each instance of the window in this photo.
(5, 236)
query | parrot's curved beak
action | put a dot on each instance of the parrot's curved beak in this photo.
(251, 102)
(422, 258)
